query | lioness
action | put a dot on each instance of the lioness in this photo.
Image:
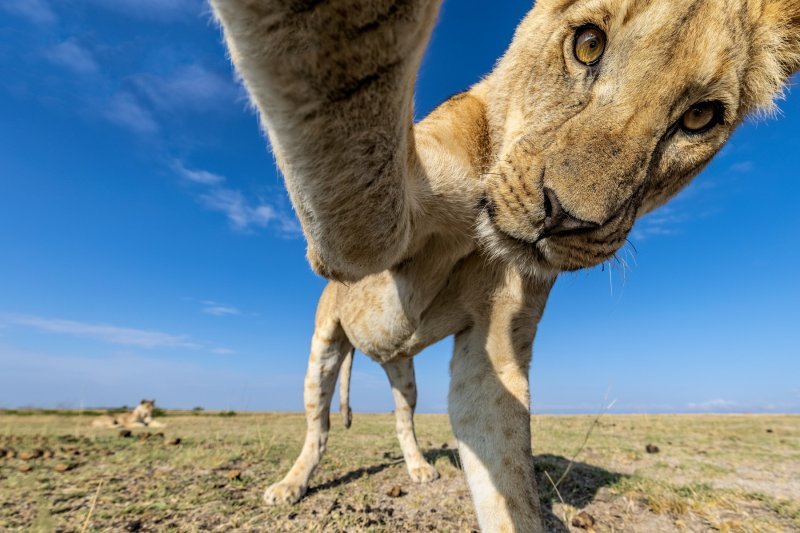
(600, 111)
(141, 416)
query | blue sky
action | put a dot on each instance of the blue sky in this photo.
(149, 249)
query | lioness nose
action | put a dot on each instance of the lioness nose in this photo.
(559, 221)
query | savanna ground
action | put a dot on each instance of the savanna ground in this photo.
(711, 473)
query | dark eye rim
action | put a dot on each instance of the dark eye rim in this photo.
(578, 31)
(716, 120)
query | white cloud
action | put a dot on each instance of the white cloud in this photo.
(123, 109)
(223, 351)
(35, 11)
(203, 177)
(242, 215)
(191, 87)
(102, 332)
(662, 221)
(71, 55)
(743, 167)
(215, 309)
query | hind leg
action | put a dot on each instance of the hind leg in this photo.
(404, 390)
(329, 346)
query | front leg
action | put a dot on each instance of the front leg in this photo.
(489, 407)
(334, 82)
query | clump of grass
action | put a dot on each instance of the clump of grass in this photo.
(227, 413)
(663, 498)
(783, 508)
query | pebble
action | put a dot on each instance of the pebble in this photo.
(395, 492)
(583, 520)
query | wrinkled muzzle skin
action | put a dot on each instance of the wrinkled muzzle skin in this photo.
(606, 142)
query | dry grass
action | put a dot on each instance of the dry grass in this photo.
(713, 473)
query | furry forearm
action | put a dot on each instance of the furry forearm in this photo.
(333, 81)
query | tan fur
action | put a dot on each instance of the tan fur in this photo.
(141, 416)
(439, 227)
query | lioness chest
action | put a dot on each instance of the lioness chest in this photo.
(399, 312)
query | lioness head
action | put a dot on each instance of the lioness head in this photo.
(144, 411)
(601, 110)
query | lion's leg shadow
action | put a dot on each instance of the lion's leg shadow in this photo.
(404, 390)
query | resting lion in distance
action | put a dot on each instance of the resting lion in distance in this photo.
(599, 112)
(141, 416)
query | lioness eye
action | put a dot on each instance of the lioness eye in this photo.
(700, 117)
(590, 43)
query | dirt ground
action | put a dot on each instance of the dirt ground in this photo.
(710, 473)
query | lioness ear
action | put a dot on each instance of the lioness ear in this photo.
(775, 47)
(784, 17)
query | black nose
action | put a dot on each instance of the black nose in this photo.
(558, 221)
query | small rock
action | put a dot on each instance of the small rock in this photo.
(395, 492)
(25, 468)
(234, 474)
(63, 467)
(174, 442)
(652, 448)
(133, 525)
(292, 516)
(33, 454)
(583, 520)
(445, 446)
(126, 434)
(769, 431)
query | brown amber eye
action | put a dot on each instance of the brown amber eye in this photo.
(590, 43)
(700, 117)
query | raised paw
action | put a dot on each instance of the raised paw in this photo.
(424, 473)
(284, 493)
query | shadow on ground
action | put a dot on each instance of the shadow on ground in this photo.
(559, 480)
(354, 475)
(575, 484)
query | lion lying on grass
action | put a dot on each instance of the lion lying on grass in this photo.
(141, 416)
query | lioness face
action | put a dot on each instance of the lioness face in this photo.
(145, 410)
(607, 109)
